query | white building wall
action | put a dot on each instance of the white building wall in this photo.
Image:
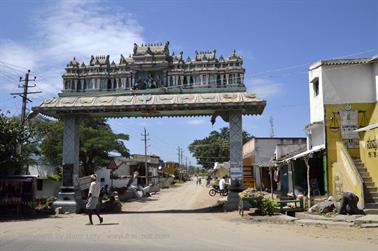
(339, 84)
(118, 183)
(317, 137)
(316, 102)
(375, 76)
(103, 173)
(264, 150)
(122, 170)
(348, 84)
(50, 188)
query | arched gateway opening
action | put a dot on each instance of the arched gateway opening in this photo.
(151, 83)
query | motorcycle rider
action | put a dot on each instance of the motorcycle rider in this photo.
(222, 183)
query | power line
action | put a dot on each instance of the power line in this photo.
(292, 67)
(16, 67)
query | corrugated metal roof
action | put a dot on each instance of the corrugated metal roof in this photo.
(344, 61)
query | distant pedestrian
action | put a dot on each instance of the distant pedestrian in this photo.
(92, 205)
(208, 180)
(197, 179)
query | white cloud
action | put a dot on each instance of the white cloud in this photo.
(68, 29)
(196, 122)
(19, 55)
(84, 28)
(265, 88)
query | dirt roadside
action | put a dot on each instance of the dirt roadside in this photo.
(173, 217)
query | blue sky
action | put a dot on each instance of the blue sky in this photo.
(278, 40)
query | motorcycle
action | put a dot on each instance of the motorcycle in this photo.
(213, 191)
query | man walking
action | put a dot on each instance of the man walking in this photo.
(93, 199)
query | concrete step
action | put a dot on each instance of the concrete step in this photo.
(356, 159)
(369, 184)
(371, 211)
(369, 199)
(362, 170)
(364, 175)
(371, 189)
(371, 206)
(373, 194)
(368, 181)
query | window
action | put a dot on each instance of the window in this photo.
(39, 184)
(315, 86)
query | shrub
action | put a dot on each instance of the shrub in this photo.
(268, 206)
(265, 205)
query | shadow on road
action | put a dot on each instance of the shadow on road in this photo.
(142, 200)
(27, 217)
(107, 224)
(214, 209)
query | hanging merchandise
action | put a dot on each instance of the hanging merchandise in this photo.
(276, 175)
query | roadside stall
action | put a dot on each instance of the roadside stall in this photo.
(17, 193)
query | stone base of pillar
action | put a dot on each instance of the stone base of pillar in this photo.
(232, 203)
(67, 201)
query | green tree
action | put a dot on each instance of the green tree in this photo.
(15, 147)
(96, 141)
(213, 148)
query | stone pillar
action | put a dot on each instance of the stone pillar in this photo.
(127, 83)
(132, 80)
(236, 149)
(227, 79)
(69, 197)
(236, 160)
(71, 142)
(222, 80)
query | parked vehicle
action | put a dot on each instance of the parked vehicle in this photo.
(213, 191)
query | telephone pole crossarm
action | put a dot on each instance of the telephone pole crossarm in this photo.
(25, 93)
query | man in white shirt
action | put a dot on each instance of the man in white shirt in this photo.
(222, 183)
(93, 199)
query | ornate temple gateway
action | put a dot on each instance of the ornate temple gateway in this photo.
(152, 69)
(151, 82)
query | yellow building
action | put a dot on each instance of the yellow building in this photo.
(343, 98)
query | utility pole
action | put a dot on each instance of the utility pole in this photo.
(179, 154)
(24, 94)
(145, 139)
(25, 99)
(181, 157)
(271, 127)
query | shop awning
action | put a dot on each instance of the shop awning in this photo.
(303, 154)
(367, 128)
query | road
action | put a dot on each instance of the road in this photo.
(175, 220)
